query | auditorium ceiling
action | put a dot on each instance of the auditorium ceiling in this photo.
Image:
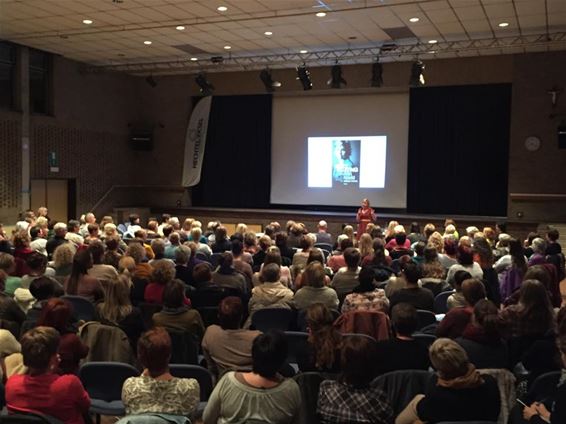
(160, 36)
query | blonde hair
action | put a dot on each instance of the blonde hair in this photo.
(63, 255)
(116, 305)
(187, 224)
(126, 264)
(365, 244)
(42, 222)
(391, 228)
(349, 231)
(110, 229)
(241, 228)
(435, 240)
(448, 358)
(196, 223)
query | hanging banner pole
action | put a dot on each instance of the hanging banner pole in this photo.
(195, 142)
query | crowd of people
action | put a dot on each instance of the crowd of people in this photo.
(360, 297)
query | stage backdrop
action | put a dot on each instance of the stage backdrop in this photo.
(459, 150)
(237, 161)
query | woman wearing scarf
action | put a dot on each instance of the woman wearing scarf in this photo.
(460, 394)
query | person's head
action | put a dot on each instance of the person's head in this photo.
(415, 228)
(220, 234)
(352, 258)
(90, 218)
(39, 349)
(269, 351)
(484, 252)
(117, 304)
(538, 272)
(437, 241)
(42, 288)
(56, 313)
(7, 263)
(265, 242)
(270, 273)
(82, 262)
(230, 313)
(539, 246)
(269, 230)
(93, 230)
(182, 255)
(553, 235)
(486, 316)
(316, 255)
(471, 231)
(163, 272)
(175, 238)
(430, 254)
(226, 262)
(63, 255)
(428, 229)
(358, 358)
(35, 232)
(273, 256)
(21, 240)
(366, 277)
(306, 243)
(154, 351)
(412, 273)
(404, 319)
(202, 273)
(533, 294)
(349, 231)
(281, 239)
(60, 229)
(473, 291)
(465, 255)
(345, 244)
(314, 275)
(42, 211)
(449, 359)
(126, 263)
(158, 247)
(96, 249)
(322, 226)
(73, 226)
(141, 234)
(36, 262)
(237, 247)
(167, 229)
(134, 219)
(136, 251)
(450, 246)
(173, 294)
(241, 228)
(365, 244)
(110, 230)
(400, 239)
(420, 247)
(459, 278)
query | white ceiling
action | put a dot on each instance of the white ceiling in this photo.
(119, 29)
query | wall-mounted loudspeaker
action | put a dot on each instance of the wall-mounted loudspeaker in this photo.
(141, 140)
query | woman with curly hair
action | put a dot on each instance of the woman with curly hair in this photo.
(163, 273)
(63, 259)
(322, 352)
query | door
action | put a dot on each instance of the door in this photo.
(57, 195)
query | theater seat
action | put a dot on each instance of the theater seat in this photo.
(83, 308)
(29, 418)
(440, 306)
(272, 319)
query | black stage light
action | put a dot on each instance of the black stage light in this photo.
(336, 79)
(267, 80)
(376, 74)
(304, 76)
(417, 74)
(206, 88)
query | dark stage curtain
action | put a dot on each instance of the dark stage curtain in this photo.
(236, 171)
(459, 150)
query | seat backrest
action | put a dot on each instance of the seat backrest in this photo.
(544, 386)
(154, 419)
(202, 256)
(200, 374)
(309, 384)
(104, 380)
(84, 308)
(324, 246)
(147, 310)
(184, 348)
(425, 318)
(440, 306)
(209, 314)
(371, 323)
(359, 335)
(272, 319)
(138, 290)
(214, 259)
(425, 339)
(401, 387)
(297, 342)
(29, 418)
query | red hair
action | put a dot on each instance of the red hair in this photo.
(57, 314)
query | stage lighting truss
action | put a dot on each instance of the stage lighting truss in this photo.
(399, 52)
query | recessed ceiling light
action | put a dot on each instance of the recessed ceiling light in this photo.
(303, 51)
(414, 20)
(321, 14)
(268, 33)
(87, 21)
(222, 8)
(194, 59)
(180, 28)
(432, 41)
(504, 24)
(227, 47)
(432, 51)
(147, 42)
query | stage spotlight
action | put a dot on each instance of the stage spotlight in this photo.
(304, 76)
(376, 74)
(417, 74)
(336, 80)
(151, 81)
(206, 88)
(267, 80)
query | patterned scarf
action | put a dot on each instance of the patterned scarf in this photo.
(470, 380)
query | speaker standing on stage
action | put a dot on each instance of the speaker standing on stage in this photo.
(365, 215)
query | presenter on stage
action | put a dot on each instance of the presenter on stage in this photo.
(365, 215)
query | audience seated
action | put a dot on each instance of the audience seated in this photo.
(419, 297)
(315, 255)
(156, 390)
(103, 273)
(281, 242)
(273, 256)
(300, 258)
(457, 319)
(456, 300)
(261, 395)
(9, 309)
(242, 261)
(227, 346)
(482, 338)
(8, 265)
(337, 260)
(465, 263)
(313, 289)
(461, 393)
(143, 270)
(11, 361)
(322, 351)
(60, 396)
(163, 273)
(227, 276)
(59, 230)
(182, 271)
(221, 242)
(346, 279)
(271, 293)
(63, 259)
(79, 283)
(175, 316)
(402, 352)
(366, 296)
(351, 398)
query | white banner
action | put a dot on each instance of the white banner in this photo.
(195, 141)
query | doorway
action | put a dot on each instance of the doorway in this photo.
(58, 195)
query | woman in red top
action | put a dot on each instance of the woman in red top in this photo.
(163, 273)
(365, 215)
(41, 389)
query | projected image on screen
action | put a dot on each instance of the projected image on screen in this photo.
(357, 162)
